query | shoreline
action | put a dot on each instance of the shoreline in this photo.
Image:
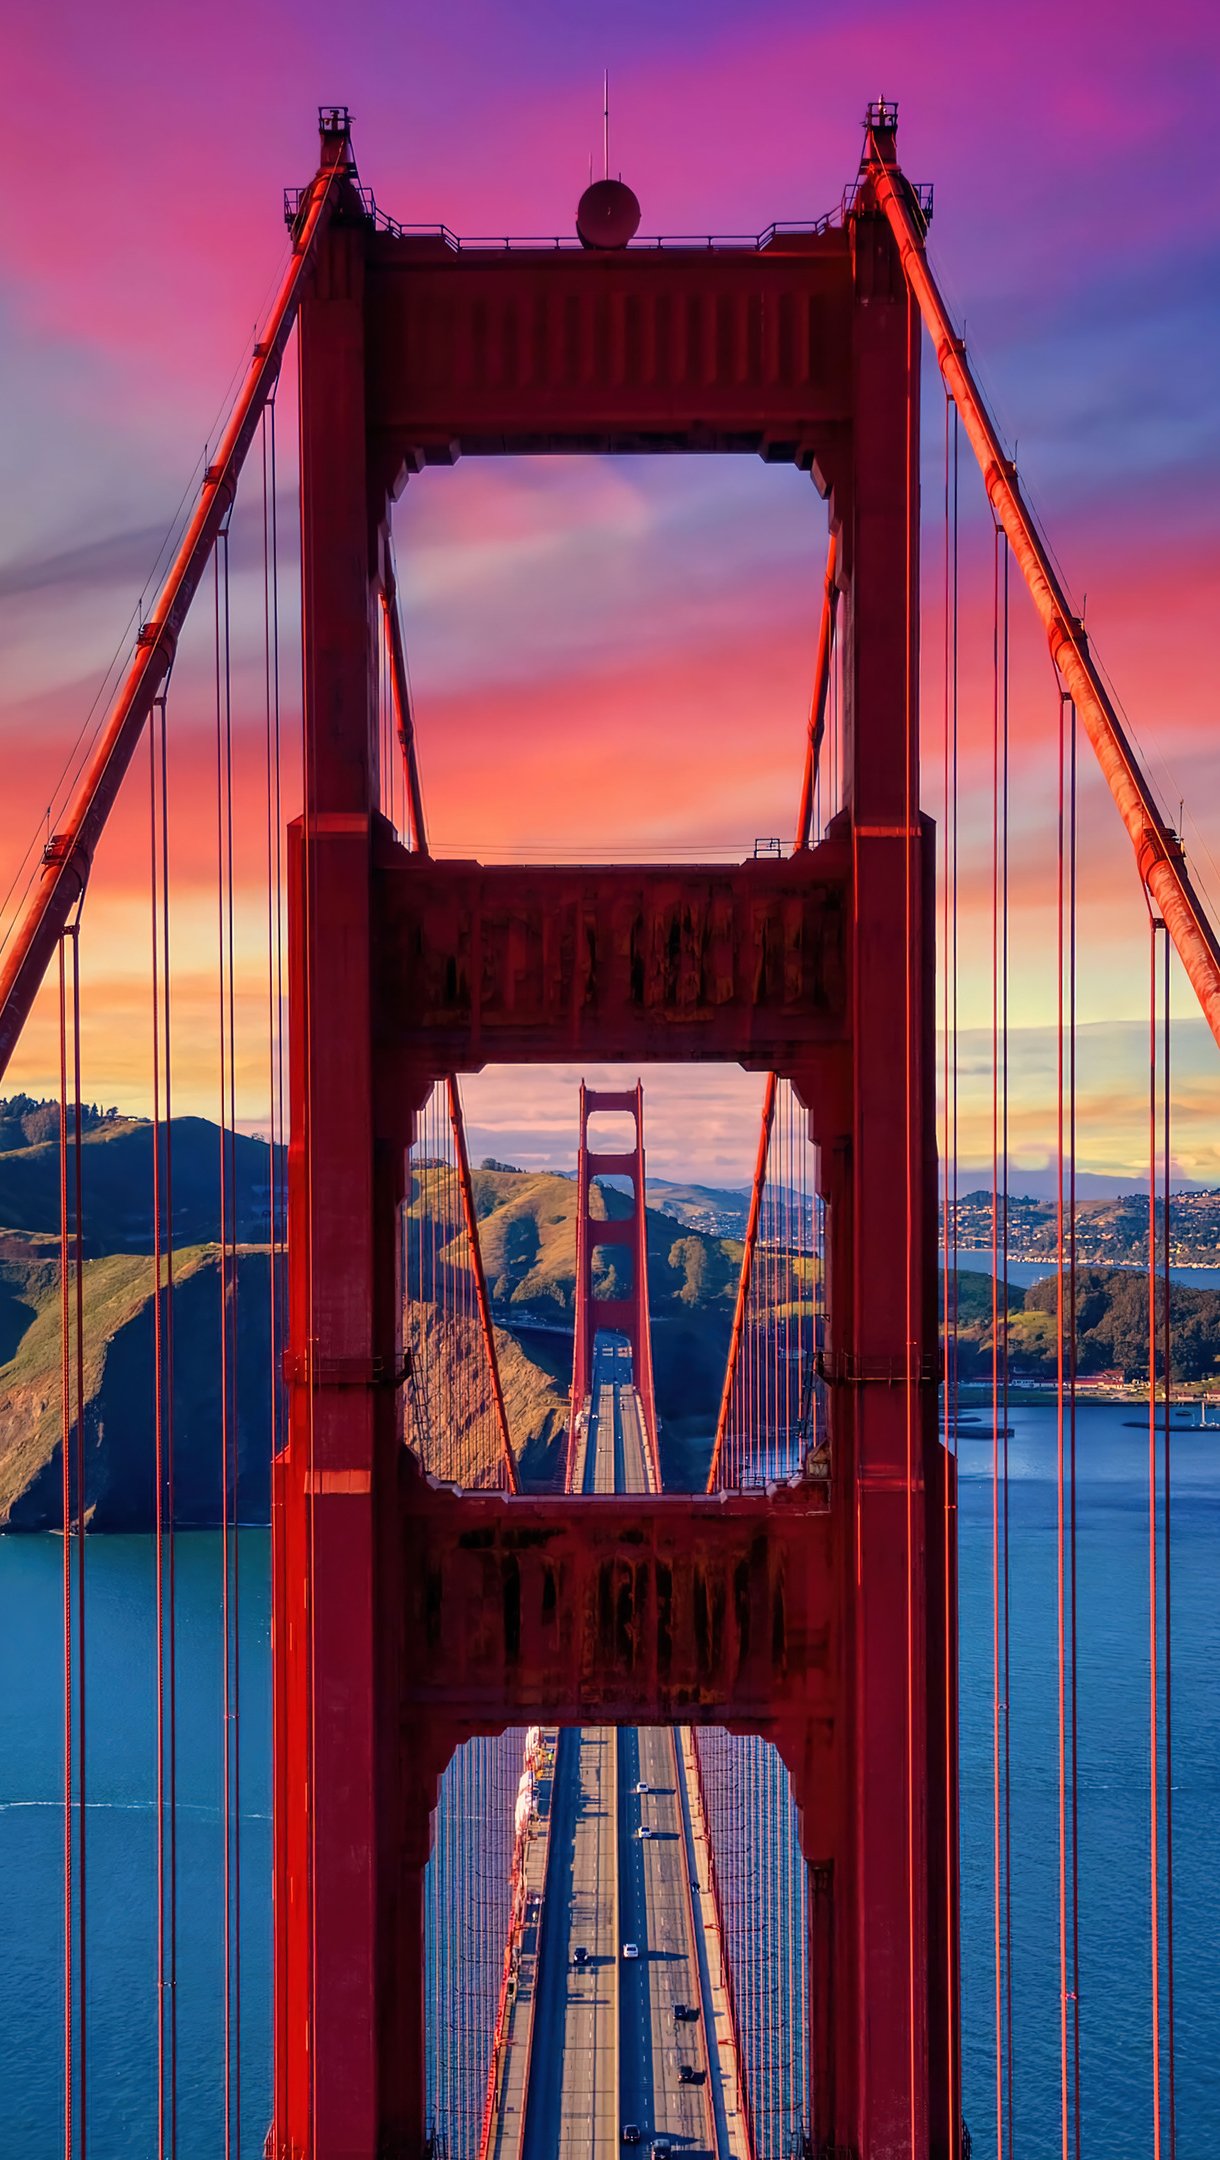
(1050, 1263)
(977, 1394)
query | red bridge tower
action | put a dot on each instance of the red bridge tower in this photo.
(407, 1617)
(626, 1314)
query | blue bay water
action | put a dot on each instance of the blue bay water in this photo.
(1115, 1932)
(121, 1845)
(1114, 1800)
(1025, 1272)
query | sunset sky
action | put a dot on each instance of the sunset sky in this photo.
(617, 655)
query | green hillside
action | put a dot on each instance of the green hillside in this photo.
(1111, 1328)
(119, 1424)
(116, 1175)
(527, 1228)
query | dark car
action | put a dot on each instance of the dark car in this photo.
(686, 2073)
(631, 2133)
(580, 1955)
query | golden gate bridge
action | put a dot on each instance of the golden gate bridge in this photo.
(511, 1711)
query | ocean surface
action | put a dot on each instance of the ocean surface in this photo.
(1025, 1272)
(1115, 1942)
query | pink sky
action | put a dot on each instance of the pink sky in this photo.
(620, 654)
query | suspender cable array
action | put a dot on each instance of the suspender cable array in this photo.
(1158, 849)
(199, 1293)
(472, 1889)
(772, 1426)
(69, 853)
(772, 1421)
(456, 1417)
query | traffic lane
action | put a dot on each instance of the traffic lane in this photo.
(545, 2096)
(590, 2042)
(713, 2006)
(635, 1473)
(605, 1471)
(635, 2010)
(682, 2110)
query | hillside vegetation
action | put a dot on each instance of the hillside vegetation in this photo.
(527, 1226)
(119, 1424)
(527, 1230)
(1111, 1328)
(116, 1176)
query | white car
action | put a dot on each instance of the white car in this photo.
(641, 1787)
(643, 1830)
(631, 1950)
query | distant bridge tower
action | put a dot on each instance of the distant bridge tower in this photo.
(626, 1314)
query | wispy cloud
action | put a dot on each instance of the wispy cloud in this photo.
(111, 559)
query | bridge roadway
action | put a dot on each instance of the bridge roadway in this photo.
(606, 2046)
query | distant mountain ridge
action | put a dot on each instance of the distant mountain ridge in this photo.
(720, 1210)
(116, 1165)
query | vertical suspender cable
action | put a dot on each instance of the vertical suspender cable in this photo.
(158, 1443)
(78, 1286)
(914, 1319)
(764, 1432)
(220, 603)
(231, 1603)
(72, 1378)
(1062, 1323)
(1004, 1406)
(171, 1648)
(946, 1468)
(277, 1154)
(1073, 1670)
(310, 1021)
(272, 787)
(1160, 1340)
(948, 643)
(1153, 1746)
(996, 1698)
(823, 670)
(1166, 1516)
(65, 1339)
(716, 1475)
(234, 1428)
